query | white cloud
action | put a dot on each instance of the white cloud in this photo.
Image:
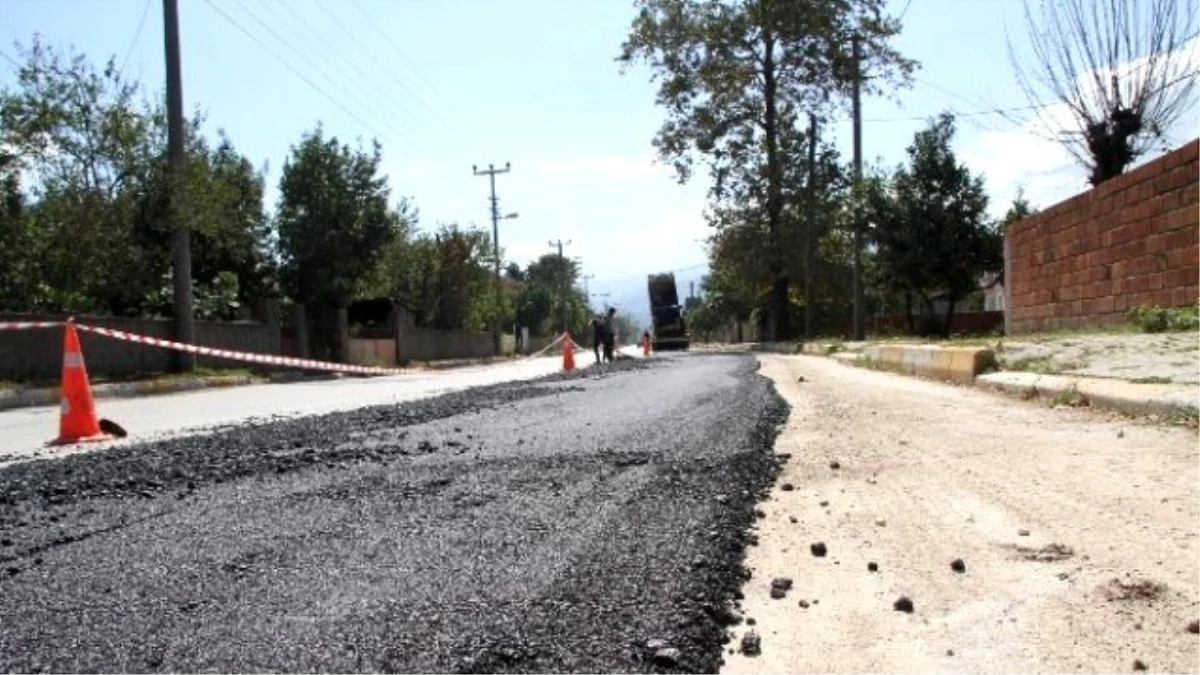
(1024, 157)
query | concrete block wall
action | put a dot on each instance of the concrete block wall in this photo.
(37, 354)
(1134, 240)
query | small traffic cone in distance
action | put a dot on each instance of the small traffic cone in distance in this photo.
(77, 419)
(568, 353)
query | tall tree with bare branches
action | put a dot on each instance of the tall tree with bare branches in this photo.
(1122, 67)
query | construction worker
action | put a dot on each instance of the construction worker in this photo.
(597, 335)
(610, 334)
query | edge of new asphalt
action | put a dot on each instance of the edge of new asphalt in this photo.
(976, 366)
(22, 397)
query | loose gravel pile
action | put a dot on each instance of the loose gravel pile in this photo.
(588, 521)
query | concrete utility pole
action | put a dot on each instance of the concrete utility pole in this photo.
(859, 299)
(563, 282)
(181, 247)
(808, 225)
(491, 172)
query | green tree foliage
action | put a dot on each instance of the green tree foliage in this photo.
(735, 77)
(92, 234)
(549, 294)
(444, 279)
(80, 134)
(466, 290)
(19, 247)
(1018, 210)
(333, 219)
(930, 224)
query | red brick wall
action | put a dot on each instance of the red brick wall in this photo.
(1131, 241)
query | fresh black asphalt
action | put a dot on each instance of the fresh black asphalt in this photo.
(561, 524)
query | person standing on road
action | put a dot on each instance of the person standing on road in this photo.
(610, 334)
(597, 335)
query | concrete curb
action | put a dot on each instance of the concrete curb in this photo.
(819, 348)
(40, 396)
(1119, 395)
(776, 347)
(951, 364)
(968, 365)
(23, 397)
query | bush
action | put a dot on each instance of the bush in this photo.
(1155, 319)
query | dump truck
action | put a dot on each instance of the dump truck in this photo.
(666, 314)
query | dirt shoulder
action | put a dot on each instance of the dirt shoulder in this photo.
(1142, 357)
(1078, 533)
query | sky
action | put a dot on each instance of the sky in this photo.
(446, 85)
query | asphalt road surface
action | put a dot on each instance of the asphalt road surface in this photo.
(559, 524)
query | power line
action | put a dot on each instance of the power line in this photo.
(356, 40)
(367, 82)
(315, 67)
(400, 52)
(975, 113)
(137, 34)
(349, 93)
(290, 67)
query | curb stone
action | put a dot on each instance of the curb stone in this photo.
(22, 397)
(776, 347)
(1126, 397)
(42, 396)
(954, 364)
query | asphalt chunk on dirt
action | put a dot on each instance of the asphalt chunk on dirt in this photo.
(560, 531)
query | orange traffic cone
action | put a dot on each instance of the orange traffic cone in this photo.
(77, 420)
(568, 353)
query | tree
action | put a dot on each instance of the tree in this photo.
(1119, 66)
(466, 298)
(930, 224)
(83, 138)
(1018, 210)
(734, 78)
(333, 222)
(92, 235)
(20, 249)
(549, 294)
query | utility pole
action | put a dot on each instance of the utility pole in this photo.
(181, 248)
(859, 300)
(563, 283)
(491, 172)
(691, 290)
(808, 225)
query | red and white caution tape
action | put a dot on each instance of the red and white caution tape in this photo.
(548, 347)
(250, 357)
(25, 325)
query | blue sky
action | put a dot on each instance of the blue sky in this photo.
(447, 84)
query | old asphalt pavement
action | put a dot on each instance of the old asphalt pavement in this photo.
(592, 521)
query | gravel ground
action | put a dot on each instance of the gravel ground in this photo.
(966, 532)
(563, 524)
